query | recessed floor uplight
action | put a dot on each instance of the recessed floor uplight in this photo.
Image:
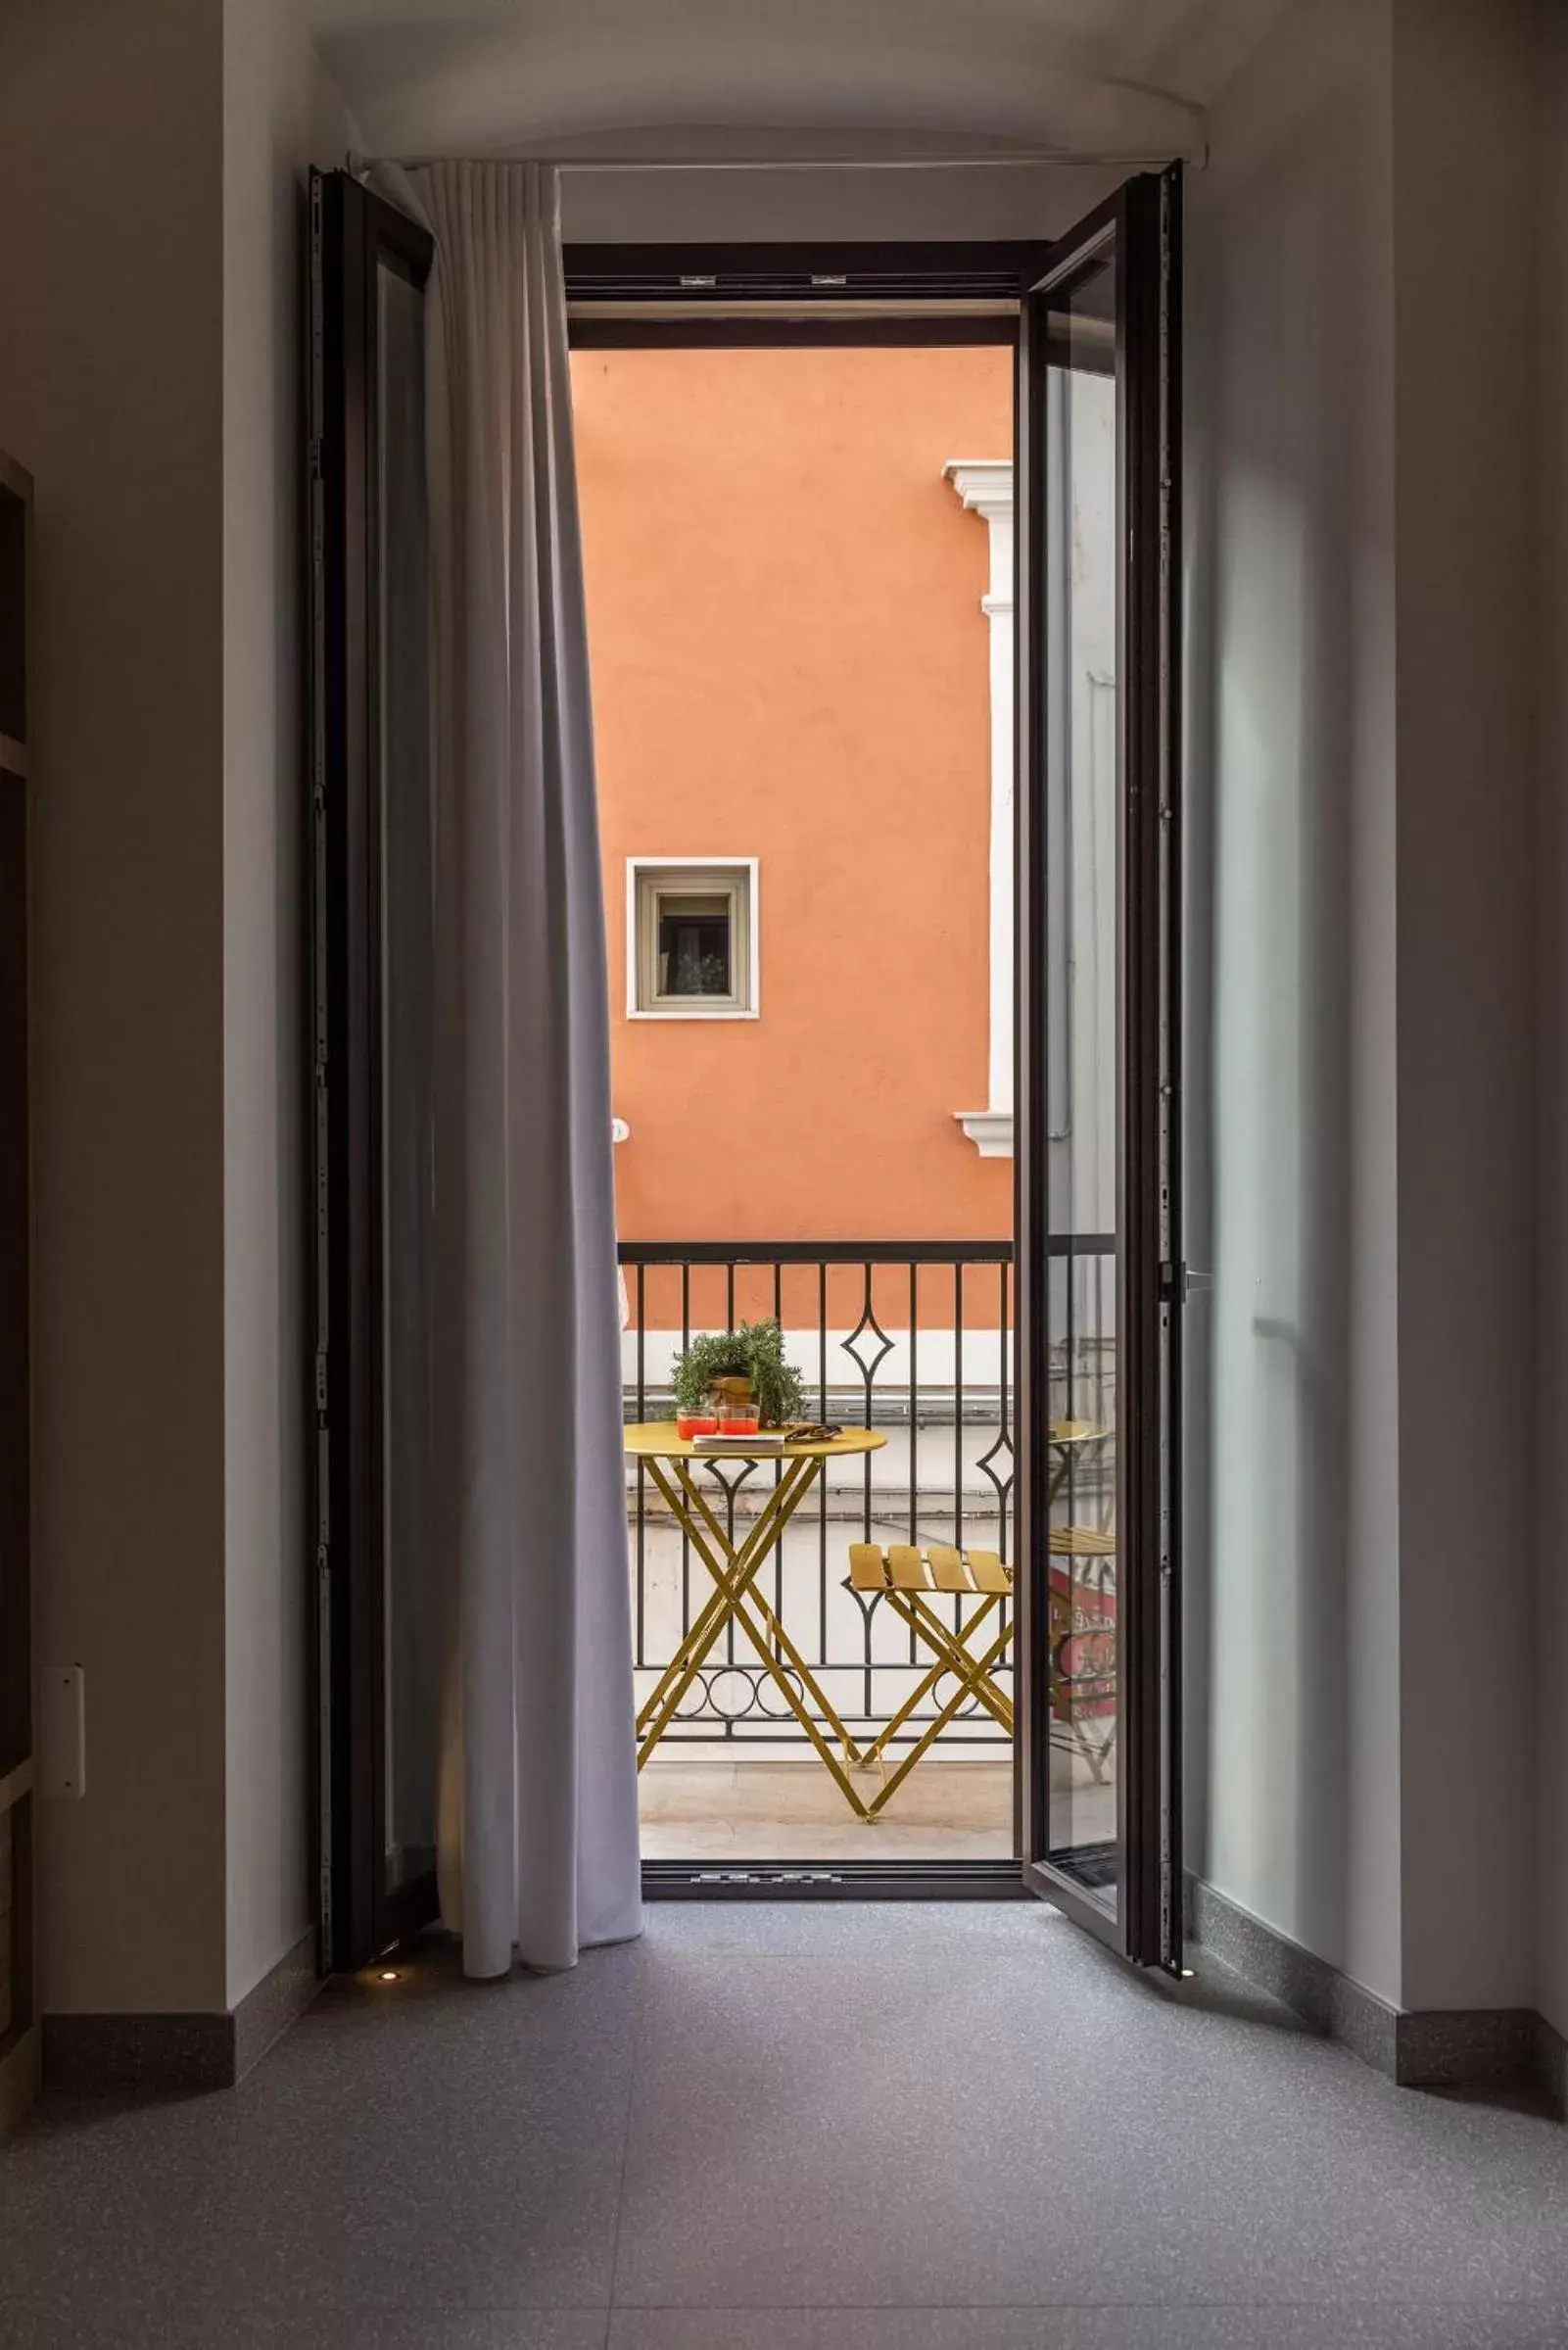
(389, 1973)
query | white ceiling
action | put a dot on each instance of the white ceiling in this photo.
(496, 77)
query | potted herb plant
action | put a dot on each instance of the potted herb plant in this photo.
(744, 1365)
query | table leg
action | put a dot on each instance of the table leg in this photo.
(732, 1594)
(678, 1677)
(773, 1623)
(739, 1588)
(697, 1644)
(802, 1709)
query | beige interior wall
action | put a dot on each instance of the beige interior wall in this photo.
(1294, 1531)
(653, 206)
(1467, 499)
(152, 207)
(111, 392)
(1363, 498)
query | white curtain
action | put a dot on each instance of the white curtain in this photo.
(539, 1830)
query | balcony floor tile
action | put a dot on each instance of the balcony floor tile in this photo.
(698, 1809)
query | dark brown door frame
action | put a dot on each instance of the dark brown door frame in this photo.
(353, 234)
(803, 284)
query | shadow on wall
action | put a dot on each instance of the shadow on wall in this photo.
(1277, 421)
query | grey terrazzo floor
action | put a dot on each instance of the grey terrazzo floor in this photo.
(872, 2127)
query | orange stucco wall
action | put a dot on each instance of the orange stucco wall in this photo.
(790, 663)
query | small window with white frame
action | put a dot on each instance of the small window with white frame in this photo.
(691, 938)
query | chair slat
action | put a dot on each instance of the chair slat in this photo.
(906, 1567)
(1081, 1542)
(867, 1569)
(988, 1572)
(947, 1567)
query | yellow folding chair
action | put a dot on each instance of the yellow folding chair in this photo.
(909, 1579)
(903, 1575)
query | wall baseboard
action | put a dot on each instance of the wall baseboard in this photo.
(271, 2005)
(180, 2052)
(1485, 2048)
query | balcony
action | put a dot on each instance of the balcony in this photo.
(914, 1340)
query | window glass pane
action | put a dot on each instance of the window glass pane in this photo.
(694, 957)
(1083, 856)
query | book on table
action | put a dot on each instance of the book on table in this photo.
(766, 1440)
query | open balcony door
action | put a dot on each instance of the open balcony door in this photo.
(1098, 1212)
(379, 1646)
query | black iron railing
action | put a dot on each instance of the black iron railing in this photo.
(913, 1338)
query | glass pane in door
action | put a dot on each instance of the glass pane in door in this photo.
(1080, 614)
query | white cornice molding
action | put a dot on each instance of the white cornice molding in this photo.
(985, 484)
(990, 1131)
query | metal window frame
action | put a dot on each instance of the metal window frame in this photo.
(1141, 219)
(760, 296)
(793, 290)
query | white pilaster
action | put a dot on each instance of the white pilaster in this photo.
(985, 487)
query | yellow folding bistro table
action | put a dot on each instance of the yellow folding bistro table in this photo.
(735, 1567)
